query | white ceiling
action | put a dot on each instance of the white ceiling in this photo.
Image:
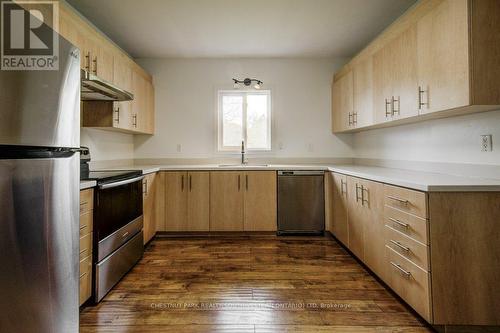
(241, 28)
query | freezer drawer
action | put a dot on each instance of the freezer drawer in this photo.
(301, 202)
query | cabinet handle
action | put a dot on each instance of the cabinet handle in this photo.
(145, 187)
(95, 65)
(405, 272)
(401, 246)
(420, 98)
(117, 111)
(125, 234)
(134, 120)
(363, 200)
(393, 108)
(398, 222)
(87, 61)
(190, 183)
(342, 183)
(403, 201)
(239, 182)
(246, 182)
(387, 111)
(357, 194)
(354, 118)
(182, 183)
(350, 116)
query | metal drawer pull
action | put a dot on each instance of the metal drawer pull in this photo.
(420, 99)
(405, 202)
(357, 196)
(393, 108)
(363, 189)
(351, 116)
(405, 272)
(182, 183)
(342, 183)
(117, 111)
(82, 275)
(404, 225)
(190, 183)
(125, 234)
(401, 246)
(387, 112)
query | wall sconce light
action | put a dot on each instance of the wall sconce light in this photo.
(247, 82)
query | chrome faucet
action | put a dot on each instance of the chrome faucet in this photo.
(243, 160)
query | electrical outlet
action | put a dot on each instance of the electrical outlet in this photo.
(179, 148)
(486, 142)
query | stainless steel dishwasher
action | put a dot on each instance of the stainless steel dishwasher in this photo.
(301, 202)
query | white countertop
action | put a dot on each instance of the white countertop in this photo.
(84, 184)
(417, 180)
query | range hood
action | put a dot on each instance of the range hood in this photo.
(96, 89)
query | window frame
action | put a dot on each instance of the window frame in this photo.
(220, 128)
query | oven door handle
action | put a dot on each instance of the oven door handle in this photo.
(120, 183)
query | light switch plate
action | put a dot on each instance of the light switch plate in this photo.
(486, 142)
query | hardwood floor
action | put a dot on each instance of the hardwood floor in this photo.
(249, 284)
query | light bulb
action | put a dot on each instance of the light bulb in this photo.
(236, 85)
(257, 86)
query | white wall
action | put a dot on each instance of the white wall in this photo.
(106, 145)
(185, 96)
(451, 140)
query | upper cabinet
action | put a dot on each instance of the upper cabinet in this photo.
(101, 57)
(439, 59)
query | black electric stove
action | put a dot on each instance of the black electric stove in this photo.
(106, 177)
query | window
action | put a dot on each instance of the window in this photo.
(244, 116)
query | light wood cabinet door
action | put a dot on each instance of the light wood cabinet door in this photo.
(355, 217)
(260, 201)
(342, 103)
(103, 59)
(176, 194)
(443, 57)
(122, 78)
(226, 201)
(149, 117)
(404, 74)
(373, 227)
(339, 192)
(198, 207)
(363, 93)
(382, 84)
(149, 184)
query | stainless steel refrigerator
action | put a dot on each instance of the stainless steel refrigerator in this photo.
(39, 197)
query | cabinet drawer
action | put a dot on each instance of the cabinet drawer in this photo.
(412, 250)
(86, 200)
(410, 282)
(85, 279)
(408, 201)
(86, 223)
(85, 246)
(410, 225)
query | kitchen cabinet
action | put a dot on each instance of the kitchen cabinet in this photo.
(260, 197)
(363, 113)
(443, 62)
(86, 232)
(339, 207)
(437, 60)
(226, 201)
(100, 57)
(187, 201)
(342, 103)
(150, 201)
(395, 78)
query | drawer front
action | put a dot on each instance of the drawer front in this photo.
(86, 225)
(408, 201)
(85, 246)
(86, 200)
(412, 250)
(410, 225)
(410, 282)
(85, 279)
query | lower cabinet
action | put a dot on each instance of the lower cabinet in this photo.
(243, 201)
(86, 229)
(151, 201)
(187, 201)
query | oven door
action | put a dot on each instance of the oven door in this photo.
(117, 205)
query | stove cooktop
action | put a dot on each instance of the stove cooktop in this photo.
(111, 176)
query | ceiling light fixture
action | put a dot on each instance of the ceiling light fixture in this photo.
(247, 82)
